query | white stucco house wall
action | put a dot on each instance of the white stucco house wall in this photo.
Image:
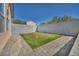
(30, 23)
(6, 12)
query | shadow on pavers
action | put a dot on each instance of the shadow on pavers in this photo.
(64, 51)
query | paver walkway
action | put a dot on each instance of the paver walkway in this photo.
(3, 39)
(17, 46)
(52, 47)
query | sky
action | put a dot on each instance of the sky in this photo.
(40, 12)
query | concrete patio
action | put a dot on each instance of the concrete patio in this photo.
(17, 46)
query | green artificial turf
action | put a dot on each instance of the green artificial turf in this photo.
(37, 39)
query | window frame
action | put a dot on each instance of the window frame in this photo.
(2, 12)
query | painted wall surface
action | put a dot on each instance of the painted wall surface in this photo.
(66, 28)
(75, 49)
(18, 28)
(31, 23)
(7, 17)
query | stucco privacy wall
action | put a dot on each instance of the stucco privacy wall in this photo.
(18, 28)
(75, 49)
(66, 28)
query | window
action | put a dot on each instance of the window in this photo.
(0, 7)
(1, 17)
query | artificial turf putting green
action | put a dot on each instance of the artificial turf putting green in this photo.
(37, 39)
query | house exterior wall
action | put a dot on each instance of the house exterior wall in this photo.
(6, 12)
(3, 20)
(7, 18)
(5, 25)
(31, 23)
